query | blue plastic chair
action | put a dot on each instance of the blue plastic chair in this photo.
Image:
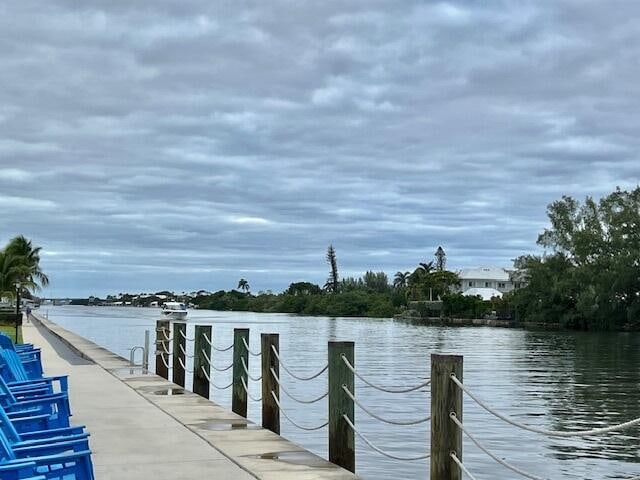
(65, 460)
(45, 385)
(15, 368)
(53, 408)
(16, 437)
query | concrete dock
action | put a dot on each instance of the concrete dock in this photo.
(143, 426)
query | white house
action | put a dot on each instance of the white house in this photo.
(487, 282)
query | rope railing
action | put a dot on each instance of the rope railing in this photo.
(184, 335)
(217, 349)
(379, 450)
(292, 397)
(246, 345)
(382, 419)
(457, 461)
(206, 375)
(550, 433)
(488, 452)
(244, 385)
(293, 422)
(246, 370)
(297, 377)
(377, 387)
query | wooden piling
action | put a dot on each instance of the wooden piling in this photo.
(163, 332)
(341, 436)
(240, 352)
(179, 350)
(446, 397)
(270, 410)
(202, 352)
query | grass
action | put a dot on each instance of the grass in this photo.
(11, 330)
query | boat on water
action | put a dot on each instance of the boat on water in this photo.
(174, 311)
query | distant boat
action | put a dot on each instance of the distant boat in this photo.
(174, 311)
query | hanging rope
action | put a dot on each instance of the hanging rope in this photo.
(165, 361)
(298, 400)
(206, 375)
(382, 389)
(209, 361)
(164, 334)
(184, 335)
(183, 366)
(485, 450)
(244, 385)
(301, 427)
(246, 370)
(217, 349)
(297, 377)
(380, 451)
(246, 345)
(184, 352)
(455, 458)
(550, 433)
(377, 417)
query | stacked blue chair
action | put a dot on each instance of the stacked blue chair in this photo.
(37, 441)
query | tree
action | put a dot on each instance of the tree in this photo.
(376, 281)
(441, 259)
(333, 283)
(303, 288)
(243, 285)
(11, 271)
(589, 277)
(401, 279)
(31, 276)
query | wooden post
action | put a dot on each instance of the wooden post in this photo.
(240, 352)
(270, 410)
(163, 331)
(202, 349)
(179, 333)
(446, 397)
(341, 436)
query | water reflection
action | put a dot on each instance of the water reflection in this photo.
(551, 380)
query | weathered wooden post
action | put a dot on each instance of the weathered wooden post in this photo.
(202, 356)
(162, 348)
(341, 437)
(270, 410)
(446, 397)
(179, 350)
(240, 352)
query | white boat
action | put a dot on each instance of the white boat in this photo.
(174, 311)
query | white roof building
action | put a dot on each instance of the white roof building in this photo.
(486, 278)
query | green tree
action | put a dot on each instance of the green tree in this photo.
(589, 277)
(401, 279)
(31, 276)
(303, 288)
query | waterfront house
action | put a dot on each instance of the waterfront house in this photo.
(488, 282)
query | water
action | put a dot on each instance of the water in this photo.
(547, 379)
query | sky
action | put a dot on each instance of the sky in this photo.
(184, 144)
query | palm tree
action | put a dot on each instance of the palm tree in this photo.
(30, 277)
(400, 280)
(243, 285)
(10, 273)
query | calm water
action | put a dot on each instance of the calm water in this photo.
(550, 380)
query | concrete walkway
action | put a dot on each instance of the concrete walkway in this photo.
(143, 426)
(130, 437)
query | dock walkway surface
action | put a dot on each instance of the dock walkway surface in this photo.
(143, 426)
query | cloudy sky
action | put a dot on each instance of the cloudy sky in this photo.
(184, 144)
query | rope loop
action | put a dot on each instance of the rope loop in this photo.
(550, 433)
(379, 450)
(244, 385)
(297, 377)
(217, 349)
(295, 399)
(184, 335)
(382, 419)
(297, 425)
(206, 375)
(246, 371)
(246, 345)
(382, 389)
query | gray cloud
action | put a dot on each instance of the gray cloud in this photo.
(184, 144)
